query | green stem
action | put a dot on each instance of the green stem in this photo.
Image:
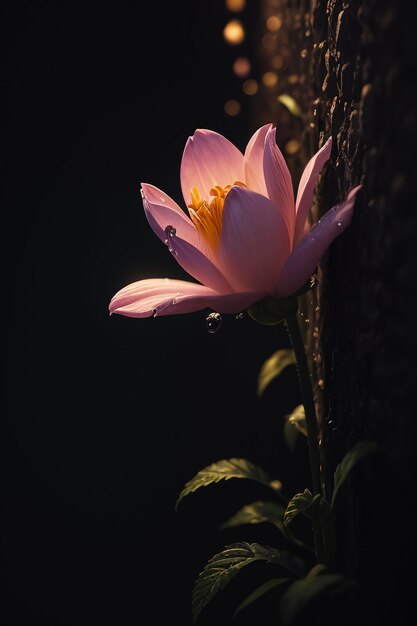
(311, 421)
(307, 399)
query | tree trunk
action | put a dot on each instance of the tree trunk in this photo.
(351, 67)
(363, 75)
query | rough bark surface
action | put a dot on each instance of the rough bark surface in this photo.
(364, 75)
(351, 66)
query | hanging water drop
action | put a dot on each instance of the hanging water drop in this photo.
(213, 322)
(339, 224)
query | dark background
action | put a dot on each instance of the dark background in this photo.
(105, 418)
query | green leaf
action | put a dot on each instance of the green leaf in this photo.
(301, 593)
(273, 368)
(290, 435)
(289, 102)
(298, 419)
(260, 592)
(256, 513)
(300, 503)
(224, 566)
(295, 423)
(359, 451)
(224, 470)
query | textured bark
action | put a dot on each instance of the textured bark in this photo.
(363, 75)
(356, 83)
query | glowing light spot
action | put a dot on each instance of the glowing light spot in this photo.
(277, 62)
(232, 107)
(269, 79)
(235, 5)
(250, 87)
(292, 146)
(233, 32)
(273, 23)
(303, 54)
(241, 67)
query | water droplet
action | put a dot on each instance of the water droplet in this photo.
(339, 223)
(307, 320)
(170, 231)
(213, 322)
(174, 301)
(304, 53)
(166, 241)
(321, 383)
(154, 312)
(317, 308)
(239, 316)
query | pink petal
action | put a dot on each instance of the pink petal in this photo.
(254, 161)
(254, 242)
(209, 159)
(306, 190)
(162, 211)
(303, 261)
(163, 296)
(197, 264)
(278, 180)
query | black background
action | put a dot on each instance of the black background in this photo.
(105, 418)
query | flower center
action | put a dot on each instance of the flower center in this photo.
(207, 218)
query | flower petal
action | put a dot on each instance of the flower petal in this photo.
(197, 264)
(163, 296)
(306, 189)
(254, 161)
(209, 159)
(304, 259)
(162, 211)
(254, 241)
(278, 180)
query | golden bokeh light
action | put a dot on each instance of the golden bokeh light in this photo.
(232, 107)
(269, 79)
(273, 23)
(235, 5)
(277, 62)
(250, 87)
(269, 41)
(233, 32)
(241, 67)
(292, 146)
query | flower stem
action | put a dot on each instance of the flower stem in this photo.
(294, 332)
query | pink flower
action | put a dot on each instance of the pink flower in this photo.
(244, 238)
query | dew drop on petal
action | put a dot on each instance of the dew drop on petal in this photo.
(213, 322)
(170, 231)
(339, 223)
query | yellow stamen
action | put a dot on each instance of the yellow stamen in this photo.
(207, 217)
